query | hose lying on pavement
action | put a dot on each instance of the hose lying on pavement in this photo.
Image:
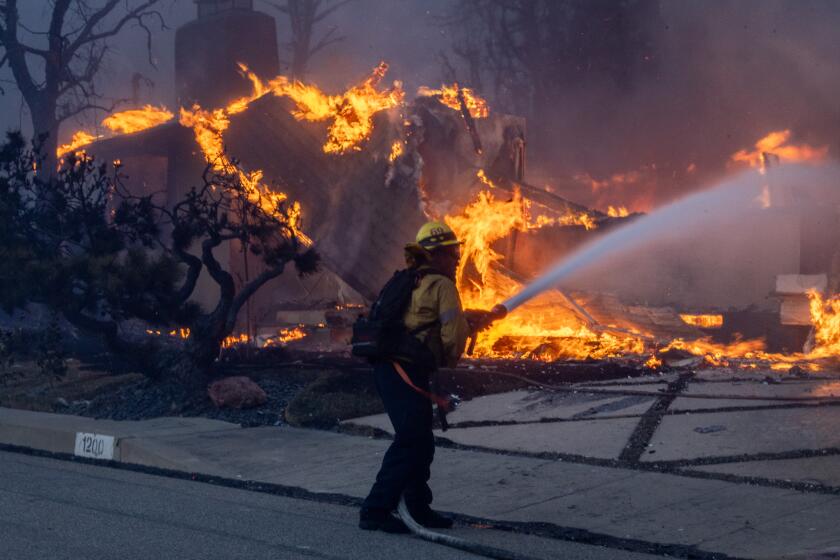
(455, 542)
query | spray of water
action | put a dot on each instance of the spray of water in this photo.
(720, 204)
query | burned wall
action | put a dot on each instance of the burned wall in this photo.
(359, 224)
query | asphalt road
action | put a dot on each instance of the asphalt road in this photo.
(64, 510)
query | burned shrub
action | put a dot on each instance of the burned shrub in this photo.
(78, 242)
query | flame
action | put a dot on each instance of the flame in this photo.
(825, 317)
(546, 328)
(183, 332)
(79, 139)
(448, 95)
(618, 212)
(284, 336)
(235, 339)
(776, 143)
(208, 128)
(135, 120)
(123, 122)
(396, 150)
(703, 321)
(542, 328)
(653, 362)
(352, 111)
(825, 320)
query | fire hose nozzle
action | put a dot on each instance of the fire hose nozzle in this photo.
(483, 320)
(498, 312)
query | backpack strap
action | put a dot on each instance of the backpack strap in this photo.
(443, 403)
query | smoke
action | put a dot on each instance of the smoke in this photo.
(721, 247)
(729, 73)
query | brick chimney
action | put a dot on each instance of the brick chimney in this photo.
(208, 49)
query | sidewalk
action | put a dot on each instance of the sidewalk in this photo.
(712, 507)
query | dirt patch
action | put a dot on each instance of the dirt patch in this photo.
(149, 399)
(313, 390)
(27, 387)
(335, 396)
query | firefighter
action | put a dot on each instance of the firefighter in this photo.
(404, 384)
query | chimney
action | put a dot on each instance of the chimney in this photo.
(208, 49)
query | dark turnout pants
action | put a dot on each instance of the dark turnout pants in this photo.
(406, 467)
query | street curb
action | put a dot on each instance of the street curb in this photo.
(58, 433)
(537, 529)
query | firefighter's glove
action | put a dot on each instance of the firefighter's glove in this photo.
(449, 403)
(478, 319)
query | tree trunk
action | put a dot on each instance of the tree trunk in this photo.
(45, 129)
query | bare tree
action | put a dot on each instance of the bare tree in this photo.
(304, 16)
(57, 74)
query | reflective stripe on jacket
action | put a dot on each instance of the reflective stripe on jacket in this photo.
(436, 298)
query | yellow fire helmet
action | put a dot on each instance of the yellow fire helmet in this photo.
(433, 235)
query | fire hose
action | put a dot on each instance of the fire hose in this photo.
(455, 542)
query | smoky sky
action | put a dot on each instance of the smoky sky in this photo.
(730, 71)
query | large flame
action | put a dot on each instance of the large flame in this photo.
(351, 112)
(543, 328)
(776, 143)
(547, 327)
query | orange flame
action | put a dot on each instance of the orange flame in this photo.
(183, 332)
(541, 329)
(703, 321)
(396, 150)
(135, 120)
(284, 336)
(80, 139)
(618, 212)
(123, 122)
(776, 143)
(352, 111)
(234, 340)
(448, 95)
(208, 128)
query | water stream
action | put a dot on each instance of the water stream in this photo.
(719, 205)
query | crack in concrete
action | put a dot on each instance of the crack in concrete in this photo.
(643, 434)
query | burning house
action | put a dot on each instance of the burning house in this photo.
(368, 166)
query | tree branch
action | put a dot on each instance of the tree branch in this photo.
(331, 9)
(16, 54)
(249, 290)
(326, 41)
(194, 266)
(217, 273)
